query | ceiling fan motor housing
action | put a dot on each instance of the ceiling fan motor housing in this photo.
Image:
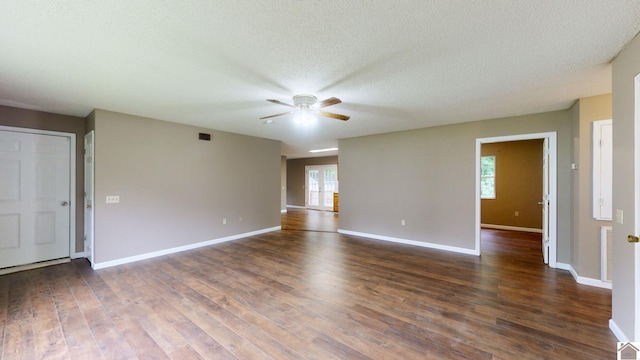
(304, 101)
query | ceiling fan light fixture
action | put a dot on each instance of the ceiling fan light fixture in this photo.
(305, 118)
(323, 150)
(304, 101)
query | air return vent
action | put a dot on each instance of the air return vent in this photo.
(204, 136)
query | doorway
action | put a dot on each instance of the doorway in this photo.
(37, 196)
(321, 182)
(546, 199)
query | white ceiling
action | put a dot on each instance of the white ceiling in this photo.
(396, 64)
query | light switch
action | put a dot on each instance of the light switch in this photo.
(113, 199)
(619, 216)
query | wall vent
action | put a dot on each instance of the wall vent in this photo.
(204, 136)
(606, 260)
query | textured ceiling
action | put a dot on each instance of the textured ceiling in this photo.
(395, 64)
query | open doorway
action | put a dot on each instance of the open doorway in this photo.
(312, 194)
(512, 208)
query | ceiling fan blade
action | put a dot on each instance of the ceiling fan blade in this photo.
(280, 103)
(270, 116)
(330, 101)
(334, 116)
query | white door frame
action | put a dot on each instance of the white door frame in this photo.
(553, 186)
(89, 198)
(72, 180)
(636, 211)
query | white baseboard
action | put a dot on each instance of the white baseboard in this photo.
(514, 228)
(584, 280)
(617, 331)
(563, 266)
(412, 242)
(78, 255)
(296, 207)
(130, 259)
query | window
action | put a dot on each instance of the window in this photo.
(488, 177)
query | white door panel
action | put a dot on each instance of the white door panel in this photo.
(545, 201)
(34, 197)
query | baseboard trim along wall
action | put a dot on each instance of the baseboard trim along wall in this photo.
(412, 242)
(178, 249)
(514, 228)
(584, 280)
(617, 332)
(296, 207)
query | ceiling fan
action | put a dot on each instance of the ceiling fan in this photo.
(309, 103)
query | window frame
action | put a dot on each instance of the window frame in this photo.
(482, 177)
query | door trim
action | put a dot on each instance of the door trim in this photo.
(72, 180)
(89, 222)
(553, 186)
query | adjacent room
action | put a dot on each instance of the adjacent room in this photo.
(319, 180)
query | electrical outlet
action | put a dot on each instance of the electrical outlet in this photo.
(224, 221)
(517, 213)
(240, 219)
(113, 199)
(402, 222)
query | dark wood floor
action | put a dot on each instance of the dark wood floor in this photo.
(300, 294)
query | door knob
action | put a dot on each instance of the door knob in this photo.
(88, 206)
(64, 203)
(633, 239)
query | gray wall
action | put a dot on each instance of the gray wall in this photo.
(625, 67)
(427, 178)
(175, 189)
(31, 119)
(585, 242)
(296, 176)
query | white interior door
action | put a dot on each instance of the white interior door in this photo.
(34, 197)
(88, 196)
(545, 201)
(321, 183)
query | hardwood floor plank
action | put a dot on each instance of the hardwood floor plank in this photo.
(561, 344)
(185, 353)
(337, 348)
(78, 337)
(309, 293)
(231, 341)
(360, 340)
(49, 339)
(19, 340)
(111, 341)
(51, 344)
